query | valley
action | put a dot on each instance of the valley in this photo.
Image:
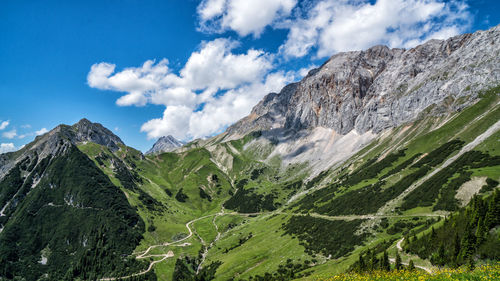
(362, 166)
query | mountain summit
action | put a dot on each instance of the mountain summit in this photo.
(380, 88)
(86, 131)
(165, 144)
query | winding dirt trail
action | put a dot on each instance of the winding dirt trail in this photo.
(165, 256)
(191, 232)
(144, 254)
(400, 249)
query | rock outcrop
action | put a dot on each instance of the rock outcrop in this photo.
(381, 88)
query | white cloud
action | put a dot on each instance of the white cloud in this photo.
(217, 113)
(215, 88)
(335, 26)
(137, 82)
(41, 131)
(4, 124)
(243, 16)
(305, 70)
(10, 134)
(7, 147)
(26, 126)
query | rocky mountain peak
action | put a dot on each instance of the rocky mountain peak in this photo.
(86, 131)
(381, 88)
(58, 140)
(165, 144)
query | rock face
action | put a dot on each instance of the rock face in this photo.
(165, 144)
(86, 131)
(381, 88)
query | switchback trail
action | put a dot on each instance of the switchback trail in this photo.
(144, 254)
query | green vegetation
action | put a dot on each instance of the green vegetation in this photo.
(185, 270)
(489, 272)
(330, 238)
(181, 196)
(285, 272)
(74, 204)
(427, 193)
(92, 214)
(371, 168)
(463, 236)
(371, 197)
(247, 201)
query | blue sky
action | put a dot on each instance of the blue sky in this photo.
(187, 68)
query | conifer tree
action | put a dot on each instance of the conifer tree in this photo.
(385, 264)
(361, 264)
(411, 266)
(398, 265)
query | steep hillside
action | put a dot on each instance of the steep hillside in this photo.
(354, 96)
(61, 217)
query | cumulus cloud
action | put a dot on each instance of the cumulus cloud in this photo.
(10, 134)
(4, 124)
(7, 147)
(243, 16)
(41, 131)
(215, 88)
(334, 26)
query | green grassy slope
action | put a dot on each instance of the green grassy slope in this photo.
(371, 198)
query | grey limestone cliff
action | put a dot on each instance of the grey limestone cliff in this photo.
(380, 87)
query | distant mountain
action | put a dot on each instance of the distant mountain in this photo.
(165, 144)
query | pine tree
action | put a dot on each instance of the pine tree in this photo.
(411, 266)
(456, 250)
(372, 260)
(385, 264)
(441, 255)
(480, 231)
(361, 264)
(398, 265)
(468, 243)
(433, 233)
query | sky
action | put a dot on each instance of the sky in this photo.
(188, 68)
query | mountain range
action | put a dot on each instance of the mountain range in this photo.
(375, 156)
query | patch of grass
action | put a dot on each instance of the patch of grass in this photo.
(486, 272)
